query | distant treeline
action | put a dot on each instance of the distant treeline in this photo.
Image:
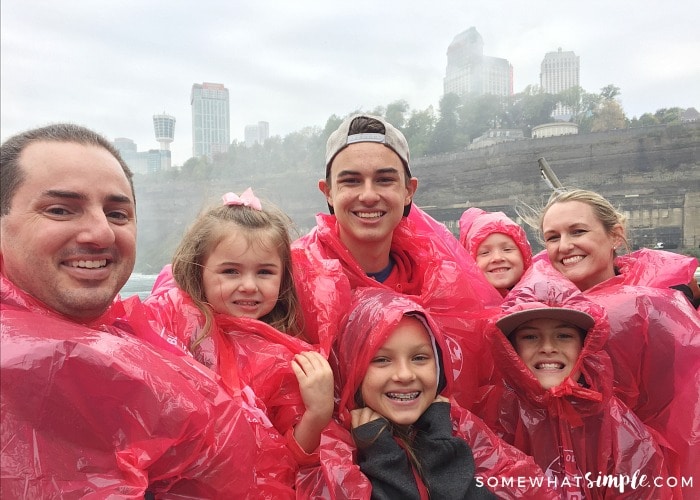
(457, 122)
(660, 161)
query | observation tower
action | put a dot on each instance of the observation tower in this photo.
(164, 127)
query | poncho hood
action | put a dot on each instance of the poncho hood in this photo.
(475, 225)
(544, 287)
(374, 315)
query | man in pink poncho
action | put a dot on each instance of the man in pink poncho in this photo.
(88, 409)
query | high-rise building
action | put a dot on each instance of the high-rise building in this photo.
(140, 162)
(471, 73)
(164, 127)
(560, 71)
(257, 134)
(211, 123)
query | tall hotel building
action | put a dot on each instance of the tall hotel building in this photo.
(560, 71)
(211, 123)
(471, 73)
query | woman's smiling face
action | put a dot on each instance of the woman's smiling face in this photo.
(577, 243)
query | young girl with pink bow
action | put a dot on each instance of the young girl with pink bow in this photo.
(231, 302)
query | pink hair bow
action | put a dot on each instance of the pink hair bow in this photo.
(247, 199)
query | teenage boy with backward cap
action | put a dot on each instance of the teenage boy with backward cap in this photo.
(375, 236)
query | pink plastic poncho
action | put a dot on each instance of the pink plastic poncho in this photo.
(374, 316)
(655, 347)
(575, 428)
(90, 411)
(475, 225)
(437, 273)
(250, 352)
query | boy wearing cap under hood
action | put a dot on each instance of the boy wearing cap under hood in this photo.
(556, 401)
(412, 439)
(374, 237)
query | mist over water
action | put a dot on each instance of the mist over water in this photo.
(138, 284)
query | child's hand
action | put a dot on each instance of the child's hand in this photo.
(361, 416)
(315, 379)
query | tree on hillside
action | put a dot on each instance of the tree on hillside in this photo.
(303, 149)
(396, 113)
(669, 115)
(190, 165)
(572, 98)
(590, 103)
(609, 116)
(332, 124)
(609, 92)
(531, 108)
(444, 135)
(646, 120)
(479, 114)
(419, 131)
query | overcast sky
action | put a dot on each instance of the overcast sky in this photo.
(111, 65)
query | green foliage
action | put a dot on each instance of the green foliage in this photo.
(609, 92)
(479, 114)
(458, 122)
(419, 131)
(532, 109)
(446, 129)
(670, 115)
(396, 113)
(646, 120)
(609, 117)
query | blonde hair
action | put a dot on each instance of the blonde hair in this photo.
(603, 210)
(269, 228)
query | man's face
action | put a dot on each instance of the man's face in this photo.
(368, 192)
(70, 236)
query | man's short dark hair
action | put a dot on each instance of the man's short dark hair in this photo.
(11, 173)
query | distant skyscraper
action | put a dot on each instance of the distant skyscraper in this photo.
(560, 71)
(139, 162)
(257, 134)
(124, 145)
(211, 121)
(470, 72)
(263, 131)
(164, 127)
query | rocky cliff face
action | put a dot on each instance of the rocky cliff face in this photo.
(652, 173)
